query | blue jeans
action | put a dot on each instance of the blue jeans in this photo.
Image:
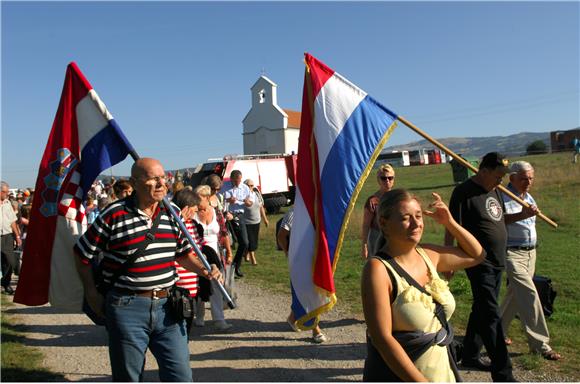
(136, 323)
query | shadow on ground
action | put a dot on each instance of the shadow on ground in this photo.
(63, 335)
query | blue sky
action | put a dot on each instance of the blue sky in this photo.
(177, 76)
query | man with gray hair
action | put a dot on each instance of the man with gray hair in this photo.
(522, 297)
(10, 236)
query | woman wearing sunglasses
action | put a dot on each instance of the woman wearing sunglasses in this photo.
(371, 232)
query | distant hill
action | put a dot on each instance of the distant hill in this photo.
(478, 146)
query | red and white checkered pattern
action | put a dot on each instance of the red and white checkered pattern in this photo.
(71, 205)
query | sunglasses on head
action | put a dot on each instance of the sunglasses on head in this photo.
(385, 178)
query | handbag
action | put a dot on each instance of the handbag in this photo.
(104, 287)
(546, 293)
(181, 303)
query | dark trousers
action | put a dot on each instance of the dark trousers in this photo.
(484, 326)
(241, 233)
(10, 262)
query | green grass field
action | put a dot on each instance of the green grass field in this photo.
(20, 363)
(556, 191)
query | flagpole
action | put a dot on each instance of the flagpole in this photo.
(184, 230)
(469, 166)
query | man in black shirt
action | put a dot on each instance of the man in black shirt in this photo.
(478, 207)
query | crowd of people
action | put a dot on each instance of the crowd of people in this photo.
(407, 304)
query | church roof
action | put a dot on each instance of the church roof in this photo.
(293, 118)
(264, 78)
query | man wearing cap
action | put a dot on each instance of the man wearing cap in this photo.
(522, 297)
(478, 207)
(10, 235)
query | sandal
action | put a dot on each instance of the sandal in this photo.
(551, 355)
(508, 341)
(292, 324)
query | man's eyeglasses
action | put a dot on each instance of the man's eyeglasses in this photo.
(385, 178)
(155, 179)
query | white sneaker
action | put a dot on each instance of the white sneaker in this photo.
(319, 338)
(222, 325)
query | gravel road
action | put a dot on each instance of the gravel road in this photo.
(260, 347)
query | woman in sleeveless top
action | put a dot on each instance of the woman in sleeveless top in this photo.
(371, 236)
(208, 218)
(406, 305)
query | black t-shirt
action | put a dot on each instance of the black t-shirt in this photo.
(481, 213)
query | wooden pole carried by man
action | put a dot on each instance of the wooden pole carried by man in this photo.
(469, 166)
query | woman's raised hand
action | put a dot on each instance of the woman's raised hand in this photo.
(438, 210)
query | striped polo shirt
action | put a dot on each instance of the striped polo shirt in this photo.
(119, 230)
(520, 233)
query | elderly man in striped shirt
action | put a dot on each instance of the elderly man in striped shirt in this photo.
(136, 306)
(522, 297)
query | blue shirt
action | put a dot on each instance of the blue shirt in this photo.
(241, 193)
(520, 233)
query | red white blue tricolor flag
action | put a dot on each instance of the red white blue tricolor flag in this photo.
(84, 141)
(342, 132)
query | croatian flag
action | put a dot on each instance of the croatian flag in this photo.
(83, 142)
(342, 132)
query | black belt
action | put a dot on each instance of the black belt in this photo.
(530, 248)
(152, 293)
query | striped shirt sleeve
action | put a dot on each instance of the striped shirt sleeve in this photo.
(95, 239)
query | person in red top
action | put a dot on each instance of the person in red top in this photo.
(188, 202)
(372, 238)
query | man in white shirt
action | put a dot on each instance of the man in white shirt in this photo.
(238, 196)
(522, 297)
(10, 235)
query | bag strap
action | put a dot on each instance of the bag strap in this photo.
(149, 237)
(383, 257)
(439, 313)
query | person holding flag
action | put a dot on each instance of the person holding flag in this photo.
(283, 240)
(478, 206)
(136, 309)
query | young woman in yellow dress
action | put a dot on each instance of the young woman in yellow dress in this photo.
(406, 305)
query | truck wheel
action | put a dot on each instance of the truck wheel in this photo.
(273, 204)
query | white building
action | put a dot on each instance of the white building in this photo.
(267, 127)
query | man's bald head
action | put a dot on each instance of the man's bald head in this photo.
(142, 166)
(148, 179)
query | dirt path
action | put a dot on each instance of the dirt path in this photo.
(260, 347)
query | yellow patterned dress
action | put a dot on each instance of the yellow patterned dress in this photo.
(413, 310)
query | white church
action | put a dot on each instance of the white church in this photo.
(269, 129)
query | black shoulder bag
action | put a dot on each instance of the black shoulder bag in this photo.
(104, 287)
